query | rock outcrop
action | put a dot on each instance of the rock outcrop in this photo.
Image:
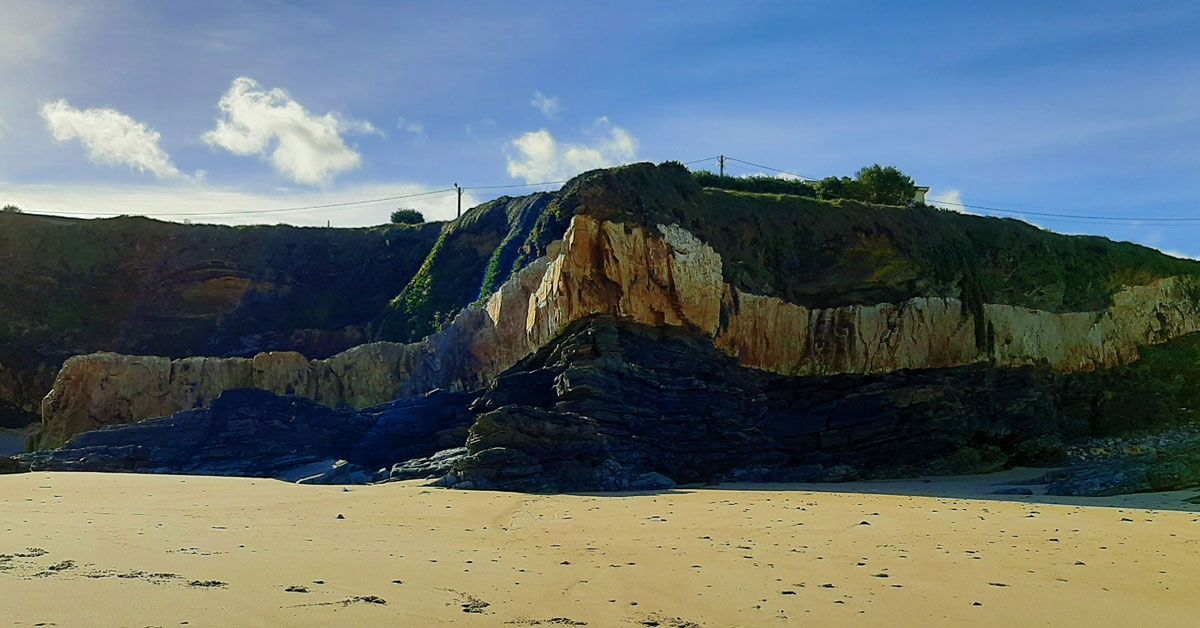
(674, 279)
(258, 434)
(146, 287)
(633, 331)
(660, 277)
(612, 405)
(106, 389)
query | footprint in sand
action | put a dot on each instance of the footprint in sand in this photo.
(357, 599)
(208, 584)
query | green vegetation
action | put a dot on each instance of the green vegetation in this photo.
(481, 244)
(407, 217)
(880, 185)
(876, 184)
(10, 209)
(759, 184)
(415, 302)
(143, 286)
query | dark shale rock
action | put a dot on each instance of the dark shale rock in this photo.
(1013, 490)
(1170, 467)
(12, 465)
(610, 402)
(435, 466)
(614, 406)
(254, 433)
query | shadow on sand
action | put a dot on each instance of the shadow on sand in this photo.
(956, 487)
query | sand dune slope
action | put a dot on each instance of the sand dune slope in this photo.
(88, 549)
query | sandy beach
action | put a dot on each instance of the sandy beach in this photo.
(128, 550)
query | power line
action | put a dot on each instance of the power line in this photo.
(1072, 216)
(1045, 215)
(271, 211)
(799, 176)
(515, 185)
(1063, 217)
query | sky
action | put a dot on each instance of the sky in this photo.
(229, 111)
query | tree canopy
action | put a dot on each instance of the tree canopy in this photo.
(407, 217)
(881, 185)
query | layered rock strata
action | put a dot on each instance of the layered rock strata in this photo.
(255, 433)
(611, 405)
(662, 277)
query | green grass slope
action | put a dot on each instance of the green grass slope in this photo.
(471, 258)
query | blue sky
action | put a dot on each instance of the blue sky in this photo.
(1082, 108)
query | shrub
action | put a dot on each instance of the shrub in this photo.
(885, 185)
(756, 184)
(11, 209)
(880, 185)
(831, 188)
(407, 217)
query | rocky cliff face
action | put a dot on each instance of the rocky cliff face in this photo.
(662, 276)
(672, 278)
(257, 434)
(799, 340)
(611, 405)
(140, 286)
(106, 388)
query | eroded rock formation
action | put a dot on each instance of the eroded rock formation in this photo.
(613, 405)
(663, 277)
(106, 388)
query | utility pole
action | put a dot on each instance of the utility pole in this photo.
(721, 160)
(459, 190)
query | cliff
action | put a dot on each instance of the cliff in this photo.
(657, 276)
(140, 286)
(798, 299)
(613, 405)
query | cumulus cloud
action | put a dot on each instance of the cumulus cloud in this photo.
(950, 199)
(540, 157)
(305, 147)
(110, 137)
(548, 105)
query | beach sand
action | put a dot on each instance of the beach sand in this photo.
(135, 550)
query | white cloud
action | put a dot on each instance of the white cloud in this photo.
(542, 158)
(110, 137)
(785, 176)
(302, 146)
(548, 105)
(1181, 255)
(410, 126)
(3, 126)
(949, 199)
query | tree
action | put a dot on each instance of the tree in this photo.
(11, 209)
(407, 217)
(885, 185)
(834, 187)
